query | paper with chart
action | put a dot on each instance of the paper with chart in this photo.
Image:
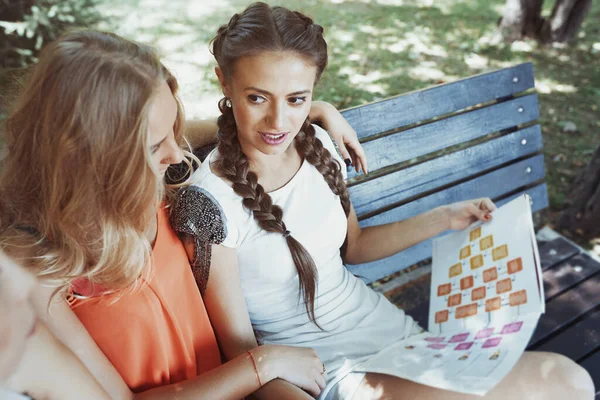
(486, 298)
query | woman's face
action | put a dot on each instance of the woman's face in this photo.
(16, 313)
(271, 94)
(161, 120)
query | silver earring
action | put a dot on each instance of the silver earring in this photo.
(228, 103)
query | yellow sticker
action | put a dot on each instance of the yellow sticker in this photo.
(500, 252)
(455, 270)
(486, 243)
(475, 234)
(477, 261)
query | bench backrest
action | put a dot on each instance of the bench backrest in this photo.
(471, 138)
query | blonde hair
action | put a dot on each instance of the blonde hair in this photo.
(77, 187)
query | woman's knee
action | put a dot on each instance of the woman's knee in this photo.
(556, 369)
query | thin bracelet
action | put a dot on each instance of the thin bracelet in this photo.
(255, 369)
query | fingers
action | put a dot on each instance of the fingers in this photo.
(479, 213)
(359, 158)
(313, 389)
(343, 150)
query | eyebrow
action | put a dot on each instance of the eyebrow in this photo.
(271, 94)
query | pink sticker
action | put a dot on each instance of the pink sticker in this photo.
(512, 328)
(484, 333)
(435, 339)
(437, 346)
(459, 338)
(464, 346)
(493, 342)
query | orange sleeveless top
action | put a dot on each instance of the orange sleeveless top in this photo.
(159, 334)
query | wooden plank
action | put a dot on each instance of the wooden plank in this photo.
(568, 274)
(393, 188)
(373, 271)
(402, 146)
(567, 307)
(577, 341)
(556, 251)
(494, 184)
(592, 365)
(422, 105)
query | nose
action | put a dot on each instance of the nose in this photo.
(174, 154)
(277, 117)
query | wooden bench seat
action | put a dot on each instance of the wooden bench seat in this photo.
(472, 138)
(477, 137)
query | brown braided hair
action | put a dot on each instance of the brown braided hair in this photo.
(262, 28)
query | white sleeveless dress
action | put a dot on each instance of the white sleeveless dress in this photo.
(357, 322)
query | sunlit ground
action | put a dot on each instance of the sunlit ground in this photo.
(388, 47)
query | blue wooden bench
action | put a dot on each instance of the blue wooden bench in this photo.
(473, 138)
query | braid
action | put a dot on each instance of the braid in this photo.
(233, 165)
(313, 151)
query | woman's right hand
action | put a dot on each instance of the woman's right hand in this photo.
(300, 366)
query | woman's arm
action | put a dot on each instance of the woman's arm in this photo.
(48, 370)
(228, 314)
(377, 242)
(233, 380)
(204, 132)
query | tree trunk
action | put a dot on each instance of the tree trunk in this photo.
(565, 22)
(522, 18)
(582, 215)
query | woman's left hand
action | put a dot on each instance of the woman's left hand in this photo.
(340, 130)
(462, 214)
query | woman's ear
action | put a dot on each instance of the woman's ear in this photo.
(222, 81)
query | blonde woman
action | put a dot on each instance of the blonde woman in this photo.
(82, 204)
(32, 361)
(285, 225)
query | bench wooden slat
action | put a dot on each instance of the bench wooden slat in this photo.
(568, 274)
(578, 340)
(567, 307)
(592, 365)
(373, 271)
(425, 139)
(423, 105)
(493, 184)
(412, 181)
(556, 251)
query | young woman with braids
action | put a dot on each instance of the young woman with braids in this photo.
(283, 225)
(82, 204)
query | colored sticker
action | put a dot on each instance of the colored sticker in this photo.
(454, 300)
(515, 265)
(465, 252)
(464, 346)
(435, 339)
(486, 243)
(455, 270)
(437, 346)
(512, 328)
(500, 252)
(503, 286)
(466, 311)
(466, 282)
(461, 337)
(518, 298)
(478, 294)
(477, 261)
(484, 333)
(444, 289)
(493, 304)
(475, 234)
(490, 274)
(441, 316)
(493, 342)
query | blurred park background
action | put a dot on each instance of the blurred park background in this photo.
(378, 49)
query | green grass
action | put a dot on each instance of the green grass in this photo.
(387, 47)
